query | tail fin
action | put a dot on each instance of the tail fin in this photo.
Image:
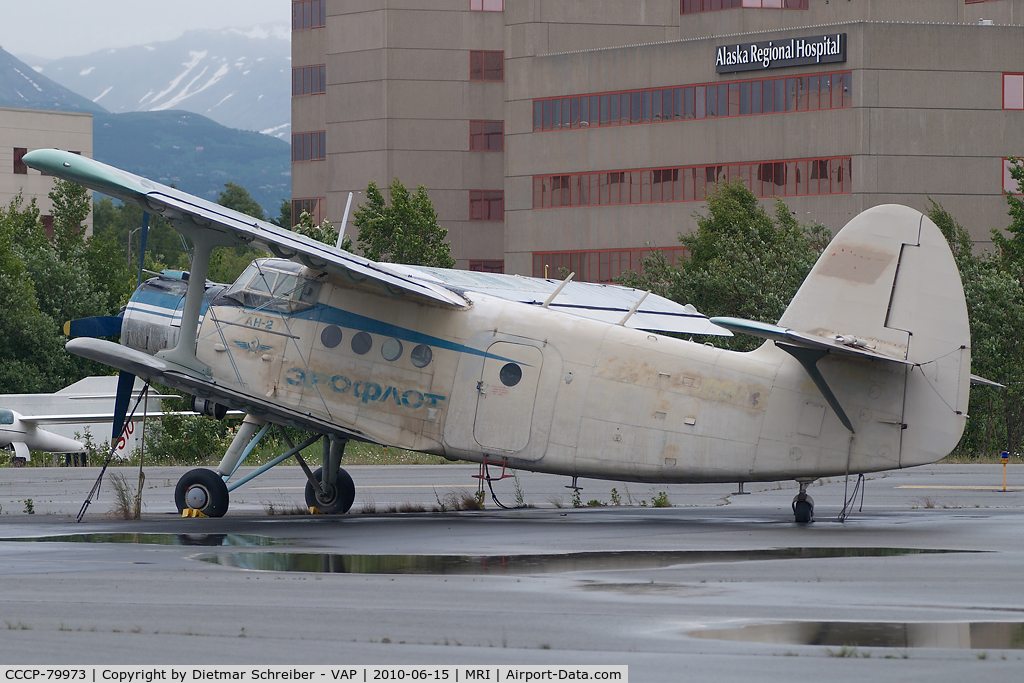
(889, 280)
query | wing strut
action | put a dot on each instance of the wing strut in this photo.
(809, 358)
(203, 244)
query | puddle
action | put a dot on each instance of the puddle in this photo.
(964, 635)
(530, 564)
(240, 540)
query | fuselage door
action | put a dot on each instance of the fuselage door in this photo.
(506, 394)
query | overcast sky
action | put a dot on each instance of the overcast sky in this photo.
(59, 28)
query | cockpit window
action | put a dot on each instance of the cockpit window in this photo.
(6, 416)
(274, 285)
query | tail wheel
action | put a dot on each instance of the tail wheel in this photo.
(338, 500)
(202, 490)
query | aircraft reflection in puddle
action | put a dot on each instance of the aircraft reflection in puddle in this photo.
(962, 634)
(232, 540)
(529, 564)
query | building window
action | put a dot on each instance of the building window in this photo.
(314, 206)
(788, 178)
(486, 136)
(19, 165)
(695, 6)
(309, 146)
(486, 5)
(599, 265)
(486, 205)
(309, 14)
(706, 100)
(486, 65)
(1013, 91)
(487, 266)
(309, 80)
(1010, 186)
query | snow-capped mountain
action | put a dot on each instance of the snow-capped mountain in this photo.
(240, 79)
(20, 86)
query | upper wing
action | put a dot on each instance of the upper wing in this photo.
(607, 303)
(181, 206)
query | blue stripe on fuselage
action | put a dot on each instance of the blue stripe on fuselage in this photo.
(328, 315)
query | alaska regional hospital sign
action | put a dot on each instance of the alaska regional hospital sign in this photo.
(775, 54)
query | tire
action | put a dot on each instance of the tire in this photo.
(341, 498)
(803, 511)
(209, 489)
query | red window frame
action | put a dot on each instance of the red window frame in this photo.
(1018, 95)
(311, 146)
(486, 205)
(486, 5)
(698, 6)
(748, 97)
(315, 206)
(309, 80)
(599, 265)
(484, 63)
(784, 178)
(487, 266)
(19, 166)
(309, 14)
(1010, 185)
(486, 136)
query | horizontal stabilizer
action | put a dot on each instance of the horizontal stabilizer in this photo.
(975, 379)
(71, 418)
(840, 344)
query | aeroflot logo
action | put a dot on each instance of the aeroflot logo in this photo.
(774, 54)
(364, 391)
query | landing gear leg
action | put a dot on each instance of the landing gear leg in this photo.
(803, 505)
(333, 491)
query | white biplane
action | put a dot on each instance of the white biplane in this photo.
(868, 369)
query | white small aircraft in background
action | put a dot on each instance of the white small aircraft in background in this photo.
(868, 369)
(20, 434)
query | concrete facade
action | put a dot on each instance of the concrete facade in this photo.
(924, 117)
(31, 129)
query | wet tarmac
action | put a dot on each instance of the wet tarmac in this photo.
(924, 583)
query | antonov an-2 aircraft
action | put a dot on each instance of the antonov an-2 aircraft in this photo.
(867, 370)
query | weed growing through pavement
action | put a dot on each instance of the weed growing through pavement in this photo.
(576, 503)
(616, 498)
(661, 500)
(123, 498)
(30, 508)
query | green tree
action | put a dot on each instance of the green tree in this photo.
(404, 232)
(325, 232)
(741, 261)
(30, 343)
(237, 197)
(284, 219)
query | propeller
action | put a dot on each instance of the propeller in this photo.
(110, 326)
(126, 380)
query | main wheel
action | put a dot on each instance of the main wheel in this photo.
(803, 510)
(338, 500)
(202, 490)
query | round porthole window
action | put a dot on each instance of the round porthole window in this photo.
(510, 374)
(362, 342)
(421, 356)
(391, 349)
(330, 336)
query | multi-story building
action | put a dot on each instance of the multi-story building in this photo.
(580, 134)
(23, 130)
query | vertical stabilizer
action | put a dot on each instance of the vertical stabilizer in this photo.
(889, 280)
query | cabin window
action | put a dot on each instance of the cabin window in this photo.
(391, 349)
(362, 342)
(6, 416)
(331, 336)
(274, 286)
(510, 374)
(421, 356)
